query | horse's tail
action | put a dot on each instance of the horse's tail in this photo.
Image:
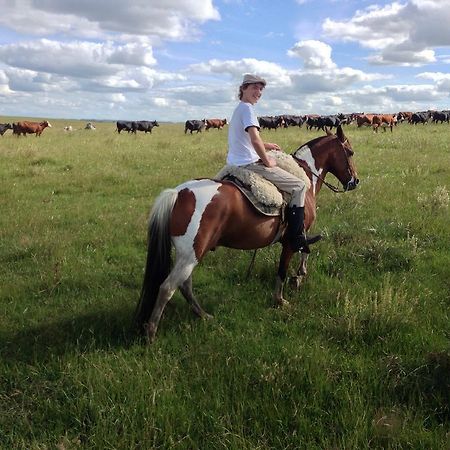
(159, 259)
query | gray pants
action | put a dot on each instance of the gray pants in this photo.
(283, 180)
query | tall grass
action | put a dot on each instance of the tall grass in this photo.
(360, 358)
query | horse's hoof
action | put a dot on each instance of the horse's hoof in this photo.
(280, 303)
(150, 333)
(202, 314)
(295, 282)
(207, 316)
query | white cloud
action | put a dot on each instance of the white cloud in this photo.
(374, 27)
(32, 81)
(272, 72)
(79, 59)
(4, 84)
(118, 98)
(158, 19)
(442, 80)
(81, 65)
(417, 93)
(389, 99)
(435, 76)
(315, 54)
(137, 53)
(400, 33)
(160, 101)
(336, 101)
(197, 95)
(396, 56)
(313, 81)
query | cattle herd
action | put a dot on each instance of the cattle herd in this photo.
(311, 121)
(321, 122)
(376, 121)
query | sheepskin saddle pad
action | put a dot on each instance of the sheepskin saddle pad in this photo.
(262, 193)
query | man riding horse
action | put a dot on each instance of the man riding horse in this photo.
(200, 215)
(246, 149)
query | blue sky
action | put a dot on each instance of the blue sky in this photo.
(173, 60)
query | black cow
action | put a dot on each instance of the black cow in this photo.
(441, 116)
(420, 117)
(312, 121)
(124, 125)
(4, 127)
(194, 125)
(293, 121)
(272, 123)
(328, 121)
(346, 119)
(144, 125)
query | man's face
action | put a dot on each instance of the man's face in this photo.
(252, 93)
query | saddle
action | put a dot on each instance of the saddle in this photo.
(263, 194)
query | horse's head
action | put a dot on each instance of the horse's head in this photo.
(331, 153)
(343, 166)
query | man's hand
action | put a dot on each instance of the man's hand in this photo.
(271, 146)
(271, 162)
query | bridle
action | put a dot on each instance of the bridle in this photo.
(329, 185)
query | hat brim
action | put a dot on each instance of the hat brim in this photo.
(263, 82)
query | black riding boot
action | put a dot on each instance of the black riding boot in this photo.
(296, 230)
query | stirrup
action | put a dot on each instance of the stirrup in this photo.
(313, 239)
(301, 243)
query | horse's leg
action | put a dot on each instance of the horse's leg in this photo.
(301, 271)
(178, 275)
(285, 258)
(186, 290)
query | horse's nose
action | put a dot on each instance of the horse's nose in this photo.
(352, 184)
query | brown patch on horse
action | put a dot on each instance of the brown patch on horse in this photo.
(222, 223)
(185, 201)
(310, 210)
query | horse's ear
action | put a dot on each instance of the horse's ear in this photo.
(328, 131)
(340, 133)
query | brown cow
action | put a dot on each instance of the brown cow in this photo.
(215, 123)
(30, 128)
(364, 119)
(404, 115)
(384, 119)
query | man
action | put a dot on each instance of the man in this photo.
(247, 149)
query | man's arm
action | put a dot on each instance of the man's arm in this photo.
(260, 148)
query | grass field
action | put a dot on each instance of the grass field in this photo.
(359, 360)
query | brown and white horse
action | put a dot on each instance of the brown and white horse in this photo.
(200, 215)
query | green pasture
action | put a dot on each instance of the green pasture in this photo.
(360, 359)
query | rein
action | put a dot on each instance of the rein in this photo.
(328, 185)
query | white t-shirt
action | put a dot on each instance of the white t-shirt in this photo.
(240, 148)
